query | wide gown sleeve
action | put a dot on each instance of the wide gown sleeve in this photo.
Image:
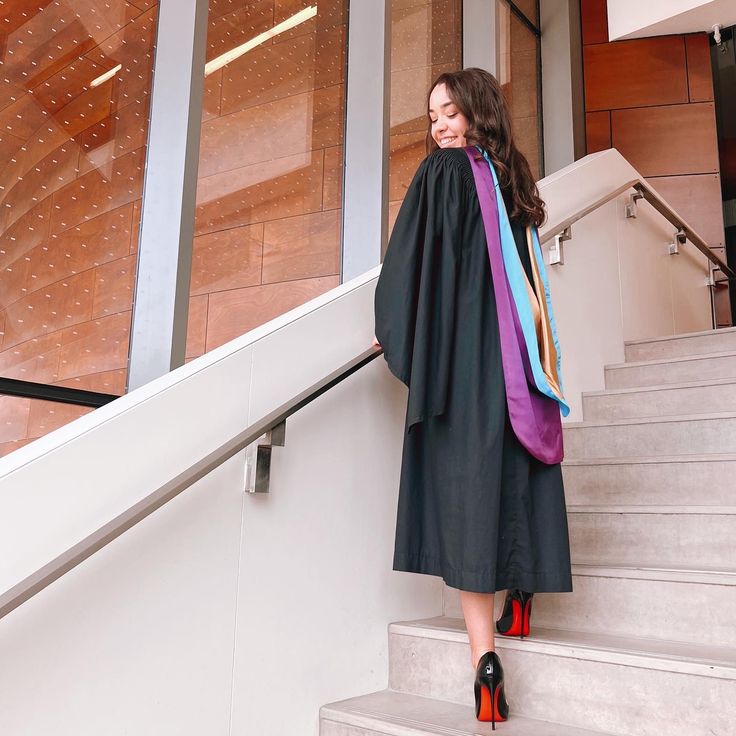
(417, 289)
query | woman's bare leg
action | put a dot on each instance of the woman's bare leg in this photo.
(478, 613)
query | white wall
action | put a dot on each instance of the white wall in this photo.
(618, 281)
(636, 19)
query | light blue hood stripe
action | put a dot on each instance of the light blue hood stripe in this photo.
(517, 284)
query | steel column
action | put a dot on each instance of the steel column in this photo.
(365, 198)
(160, 307)
(480, 35)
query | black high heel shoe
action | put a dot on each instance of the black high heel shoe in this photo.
(514, 619)
(490, 699)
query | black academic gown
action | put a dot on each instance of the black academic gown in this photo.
(474, 507)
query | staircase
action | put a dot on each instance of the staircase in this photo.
(646, 643)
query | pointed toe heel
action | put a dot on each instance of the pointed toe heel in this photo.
(516, 613)
(490, 698)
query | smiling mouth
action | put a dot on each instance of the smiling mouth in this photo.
(447, 141)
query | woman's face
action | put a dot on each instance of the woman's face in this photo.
(448, 123)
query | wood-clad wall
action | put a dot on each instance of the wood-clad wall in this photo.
(652, 99)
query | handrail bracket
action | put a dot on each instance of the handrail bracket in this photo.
(258, 459)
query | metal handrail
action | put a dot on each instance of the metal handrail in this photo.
(643, 188)
(50, 392)
(27, 588)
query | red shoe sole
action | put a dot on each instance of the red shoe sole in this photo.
(485, 705)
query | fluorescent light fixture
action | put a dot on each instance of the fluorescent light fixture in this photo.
(238, 51)
(104, 77)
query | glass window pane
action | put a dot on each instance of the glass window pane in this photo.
(529, 8)
(74, 100)
(268, 219)
(426, 40)
(23, 420)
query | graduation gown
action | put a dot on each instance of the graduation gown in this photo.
(475, 507)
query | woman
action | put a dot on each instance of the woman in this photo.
(464, 319)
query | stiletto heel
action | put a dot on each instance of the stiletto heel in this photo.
(517, 610)
(490, 698)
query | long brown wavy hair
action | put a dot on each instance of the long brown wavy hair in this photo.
(478, 96)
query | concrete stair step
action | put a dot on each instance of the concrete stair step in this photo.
(652, 436)
(671, 370)
(403, 714)
(674, 480)
(675, 346)
(656, 401)
(670, 603)
(664, 535)
(623, 685)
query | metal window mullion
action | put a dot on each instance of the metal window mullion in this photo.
(365, 182)
(160, 305)
(480, 35)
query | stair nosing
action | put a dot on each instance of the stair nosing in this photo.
(682, 336)
(664, 419)
(675, 359)
(662, 387)
(652, 509)
(655, 573)
(549, 641)
(715, 457)
(380, 721)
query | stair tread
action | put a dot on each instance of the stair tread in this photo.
(653, 459)
(658, 654)
(681, 336)
(675, 359)
(401, 714)
(661, 387)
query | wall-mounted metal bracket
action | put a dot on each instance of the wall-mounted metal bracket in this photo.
(674, 246)
(258, 459)
(631, 205)
(556, 251)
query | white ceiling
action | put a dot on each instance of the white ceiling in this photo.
(637, 19)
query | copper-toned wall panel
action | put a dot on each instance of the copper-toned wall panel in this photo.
(662, 141)
(46, 416)
(106, 382)
(14, 413)
(597, 131)
(302, 247)
(594, 17)
(227, 259)
(425, 41)
(114, 284)
(698, 199)
(197, 325)
(699, 71)
(68, 194)
(647, 71)
(270, 174)
(233, 312)
(95, 347)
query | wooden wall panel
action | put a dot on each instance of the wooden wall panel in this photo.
(699, 71)
(669, 140)
(597, 131)
(698, 199)
(594, 17)
(647, 71)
